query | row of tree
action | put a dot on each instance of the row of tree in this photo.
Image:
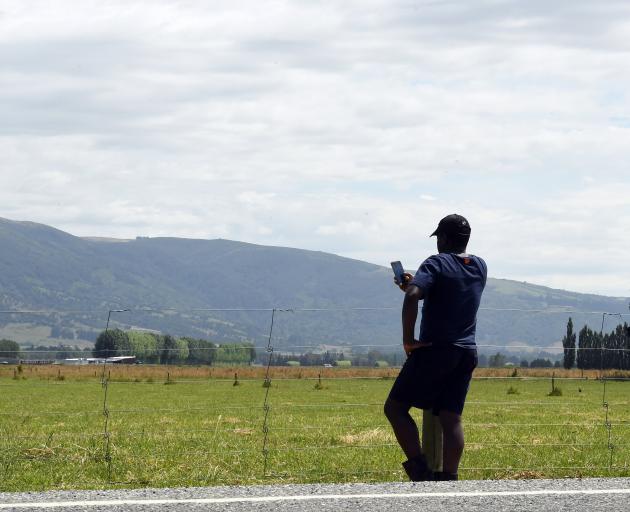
(150, 347)
(500, 360)
(9, 349)
(371, 358)
(595, 350)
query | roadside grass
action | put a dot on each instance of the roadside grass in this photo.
(163, 373)
(205, 431)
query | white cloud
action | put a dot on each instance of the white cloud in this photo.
(350, 127)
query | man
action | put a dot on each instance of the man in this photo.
(439, 365)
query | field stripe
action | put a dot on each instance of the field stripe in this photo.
(310, 497)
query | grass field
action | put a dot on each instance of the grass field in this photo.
(193, 426)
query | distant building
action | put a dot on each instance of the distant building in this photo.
(74, 361)
(112, 360)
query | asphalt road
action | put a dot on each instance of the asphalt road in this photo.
(592, 495)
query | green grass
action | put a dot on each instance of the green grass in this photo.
(210, 432)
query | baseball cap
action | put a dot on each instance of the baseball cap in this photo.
(453, 225)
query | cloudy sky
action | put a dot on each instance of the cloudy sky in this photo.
(344, 126)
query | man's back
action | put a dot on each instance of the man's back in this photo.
(452, 286)
(439, 366)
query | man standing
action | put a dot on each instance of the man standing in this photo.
(439, 365)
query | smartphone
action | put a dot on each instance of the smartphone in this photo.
(398, 271)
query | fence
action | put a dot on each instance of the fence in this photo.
(137, 426)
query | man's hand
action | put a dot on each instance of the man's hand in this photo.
(410, 347)
(407, 277)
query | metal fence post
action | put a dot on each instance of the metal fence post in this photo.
(106, 434)
(266, 406)
(432, 439)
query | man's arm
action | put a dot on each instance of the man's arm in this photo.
(413, 295)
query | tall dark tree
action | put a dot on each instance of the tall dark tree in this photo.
(626, 348)
(168, 349)
(604, 351)
(568, 342)
(583, 352)
(110, 342)
(497, 361)
(616, 343)
(9, 349)
(200, 351)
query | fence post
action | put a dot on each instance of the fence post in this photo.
(432, 439)
(107, 455)
(611, 446)
(106, 435)
(266, 406)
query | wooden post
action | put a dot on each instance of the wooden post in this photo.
(432, 439)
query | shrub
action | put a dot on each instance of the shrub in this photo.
(512, 391)
(555, 392)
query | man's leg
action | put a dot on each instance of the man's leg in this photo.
(453, 438)
(451, 405)
(405, 428)
(406, 432)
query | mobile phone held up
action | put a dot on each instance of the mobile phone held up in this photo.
(398, 271)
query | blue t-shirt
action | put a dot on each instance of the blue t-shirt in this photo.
(452, 286)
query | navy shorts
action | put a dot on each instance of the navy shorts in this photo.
(435, 378)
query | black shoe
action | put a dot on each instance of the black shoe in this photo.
(440, 476)
(417, 469)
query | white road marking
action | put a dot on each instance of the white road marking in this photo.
(311, 497)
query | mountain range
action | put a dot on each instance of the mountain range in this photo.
(65, 286)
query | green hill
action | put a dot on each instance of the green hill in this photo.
(167, 283)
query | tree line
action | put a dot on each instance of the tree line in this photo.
(9, 349)
(595, 350)
(146, 347)
(500, 360)
(371, 358)
(151, 347)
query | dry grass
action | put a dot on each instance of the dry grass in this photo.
(140, 373)
(547, 373)
(376, 435)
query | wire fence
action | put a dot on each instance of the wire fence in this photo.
(278, 427)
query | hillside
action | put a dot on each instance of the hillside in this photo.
(42, 268)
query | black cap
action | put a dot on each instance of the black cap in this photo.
(453, 225)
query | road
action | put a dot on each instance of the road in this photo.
(592, 495)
